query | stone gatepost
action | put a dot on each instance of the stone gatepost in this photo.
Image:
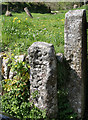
(43, 77)
(76, 54)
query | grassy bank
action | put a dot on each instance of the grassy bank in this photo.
(21, 31)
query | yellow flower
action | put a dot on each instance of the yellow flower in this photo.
(43, 25)
(14, 62)
(60, 32)
(26, 18)
(15, 65)
(23, 63)
(34, 25)
(62, 20)
(4, 54)
(4, 57)
(29, 66)
(15, 18)
(12, 54)
(19, 21)
(6, 80)
(8, 89)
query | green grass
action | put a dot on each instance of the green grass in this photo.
(43, 27)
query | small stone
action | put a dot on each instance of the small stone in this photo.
(75, 6)
(8, 13)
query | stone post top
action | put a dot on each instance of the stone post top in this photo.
(41, 45)
(72, 13)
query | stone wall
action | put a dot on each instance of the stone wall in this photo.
(75, 52)
(43, 77)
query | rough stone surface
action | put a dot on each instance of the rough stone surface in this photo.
(76, 53)
(60, 57)
(5, 67)
(43, 77)
(4, 116)
(6, 71)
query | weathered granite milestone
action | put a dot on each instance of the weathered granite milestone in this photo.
(76, 53)
(43, 77)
